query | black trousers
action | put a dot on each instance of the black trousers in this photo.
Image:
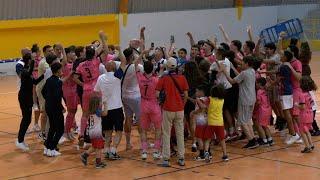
(26, 109)
(314, 123)
(56, 121)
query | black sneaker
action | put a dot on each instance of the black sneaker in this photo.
(247, 145)
(199, 158)
(316, 133)
(84, 158)
(164, 163)
(106, 155)
(312, 147)
(271, 143)
(207, 157)
(260, 141)
(252, 144)
(225, 158)
(114, 156)
(306, 150)
(100, 165)
(194, 148)
(242, 137)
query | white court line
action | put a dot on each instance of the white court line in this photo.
(8, 93)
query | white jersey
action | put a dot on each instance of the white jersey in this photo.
(94, 127)
(201, 118)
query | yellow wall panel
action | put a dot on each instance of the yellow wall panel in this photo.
(76, 30)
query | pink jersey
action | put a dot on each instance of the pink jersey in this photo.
(36, 64)
(306, 115)
(147, 86)
(89, 71)
(108, 58)
(69, 84)
(297, 66)
(264, 103)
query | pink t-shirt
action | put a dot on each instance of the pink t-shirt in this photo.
(108, 58)
(306, 115)
(66, 70)
(264, 103)
(147, 86)
(36, 64)
(297, 66)
(89, 71)
(211, 58)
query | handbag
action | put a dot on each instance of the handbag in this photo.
(162, 95)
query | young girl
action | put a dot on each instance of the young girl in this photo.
(306, 113)
(199, 117)
(264, 112)
(95, 131)
(215, 122)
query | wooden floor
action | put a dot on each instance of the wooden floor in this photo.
(277, 162)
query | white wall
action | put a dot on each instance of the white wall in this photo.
(296, 11)
(202, 23)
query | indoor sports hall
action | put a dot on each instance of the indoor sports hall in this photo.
(192, 38)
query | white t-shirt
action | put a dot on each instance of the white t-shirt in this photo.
(130, 87)
(221, 78)
(47, 74)
(95, 127)
(110, 88)
(18, 79)
(102, 69)
(314, 103)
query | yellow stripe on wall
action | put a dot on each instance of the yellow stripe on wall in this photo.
(73, 30)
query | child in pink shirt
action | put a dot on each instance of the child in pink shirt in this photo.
(264, 112)
(305, 114)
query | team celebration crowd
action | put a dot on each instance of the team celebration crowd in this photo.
(211, 94)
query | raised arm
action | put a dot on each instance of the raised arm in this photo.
(192, 42)
(122, 58)
(64, 55)
(142, 39)
(280, 41)
(103, 48)
(225, 35)
(249, 31)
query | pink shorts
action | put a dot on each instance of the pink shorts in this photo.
(85, 99)
(264, 120)
(305, 127)
(150, 113)
(72, 100)
(296, 93)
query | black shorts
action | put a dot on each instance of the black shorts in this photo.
(113, 121)
(188, 108)
(231, 100)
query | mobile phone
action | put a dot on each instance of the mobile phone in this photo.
(171, 39)
(152, 45)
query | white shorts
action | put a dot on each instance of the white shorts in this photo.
(287, 102)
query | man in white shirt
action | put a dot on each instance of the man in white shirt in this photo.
(43, 65)
(130, 94)
(109, 85)
(221, 78)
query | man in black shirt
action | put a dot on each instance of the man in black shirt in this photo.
(52, 93)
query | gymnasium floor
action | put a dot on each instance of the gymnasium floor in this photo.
(277, 162)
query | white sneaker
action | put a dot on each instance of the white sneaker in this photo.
(35, 107)
(49, 153)
(151, 145)
(45, 151)
(293, 139)
(36, 128)
(299, 141)
(62, 140)
(55, 153)
(144, 156)
(156, 155)
(23, 146)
